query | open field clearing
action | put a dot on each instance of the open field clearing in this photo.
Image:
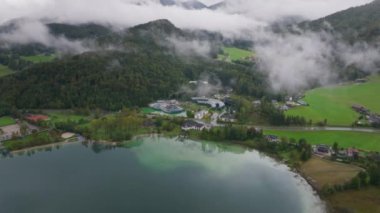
(6, 121)
(360, 201)
(325, 172)
(39, 58)
(65, 116)
(361, 140)
(334, 103)
(233, 54)
(4, 71)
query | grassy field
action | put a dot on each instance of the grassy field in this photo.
(360, 140)
(233, 54)
(361, 201)
(325, 172)
(37, 139)
(4, 71)
(39, 58)
(334, 103)
(65, 116)
(5, 121)
(148, 110)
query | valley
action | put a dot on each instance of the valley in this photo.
(338, 101)
(250, 111)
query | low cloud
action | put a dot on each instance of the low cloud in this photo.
(186, 47)
(291, 60)
(28, 31)
(205, 86)
(295, 61)
(362, 55)
(237, 15)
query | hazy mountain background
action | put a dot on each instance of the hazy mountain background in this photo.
(103, 55)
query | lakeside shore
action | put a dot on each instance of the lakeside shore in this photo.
(311, 182)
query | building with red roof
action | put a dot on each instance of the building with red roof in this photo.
(36, 118)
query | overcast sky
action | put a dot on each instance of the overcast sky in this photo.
(291, 60)
(239, 14)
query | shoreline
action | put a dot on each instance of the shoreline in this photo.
(42, 147)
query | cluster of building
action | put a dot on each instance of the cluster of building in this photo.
(216, 102)
(228, 117)
(167, 106)
(194, 125)
(373, 118)
(272, 138)
(36, 118)
(211, 102)
(290, 102)
(16, 130)
(325, 150)
(201, 114)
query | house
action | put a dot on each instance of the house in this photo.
(167, 106)
(302, 103)
(373, 119)
(213, 103)
(360, 109)
(36, 118)
(283, 108)
(352, 153)
(193, 125)
(221, 96)
(291, 104)
(228, 117)
(201, 114)
(256, 103)
(272, 138)
(322, 149)
(348, 153)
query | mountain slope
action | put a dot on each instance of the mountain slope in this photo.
(193, 5)
(190, 5)
(217, 5)
(357, 23)
(141, 69)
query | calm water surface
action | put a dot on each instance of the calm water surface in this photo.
(152, 175)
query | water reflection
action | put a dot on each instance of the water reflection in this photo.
(151, 174)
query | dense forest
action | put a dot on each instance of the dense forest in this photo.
(132, 67)
(143, 69)
(354, 24)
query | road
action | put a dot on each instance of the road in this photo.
(343, 129)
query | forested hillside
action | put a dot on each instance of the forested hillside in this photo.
(143, 68)
(357, 23)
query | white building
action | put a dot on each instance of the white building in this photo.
(201, 114)
(213, 103)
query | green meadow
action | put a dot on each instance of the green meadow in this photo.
(4, 71)
(5, 121)
(360, 140)
(39, 58)
(334, 103)
(233, 54)
(62, 116)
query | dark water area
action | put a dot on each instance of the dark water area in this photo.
(152, 175)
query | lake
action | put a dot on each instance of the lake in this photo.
(152, 174)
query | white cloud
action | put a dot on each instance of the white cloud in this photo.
(291, 60)
(239, 14)
(29, 31)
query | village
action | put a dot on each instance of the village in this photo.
(367, 117)
(29, 126)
